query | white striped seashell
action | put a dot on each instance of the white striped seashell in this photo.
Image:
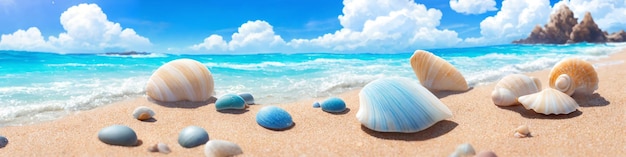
(437, 74)
(160, 147)
(399, 105)
(143, 113)
(180, 80)
(549, 101)
(463, 150)
(220, 148)
(574, 75)
(510, 87)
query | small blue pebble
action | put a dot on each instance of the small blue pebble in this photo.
(333, 105)
(316, 104)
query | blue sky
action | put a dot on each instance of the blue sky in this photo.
(245, 26)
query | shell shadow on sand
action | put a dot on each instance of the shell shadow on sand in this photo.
(530, 114)
(440, 128)
(594, 100)
(234, 111)
(342, 112)
(443, 94)
(184, 104)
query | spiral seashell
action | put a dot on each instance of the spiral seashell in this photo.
(510, 87)
(437, 74)
(160, 147)
(399, 105)
(3, 141)
(333, 105)
(230, 101)
(192, 136)
(118, 135)
(180, 80)
(574, 75)
(143, 113)
(247, 97)
(274, 118)
(220, 148)
(549, 101)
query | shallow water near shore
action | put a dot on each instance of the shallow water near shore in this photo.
(38, 86)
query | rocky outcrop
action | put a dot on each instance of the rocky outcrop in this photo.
(587, 31)
(557, 31)
(617, 36)
(563, 28)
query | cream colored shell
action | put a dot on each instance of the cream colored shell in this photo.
(510, 87)
(574, 75)
(436, 74)
(180, 80)
(549, 101)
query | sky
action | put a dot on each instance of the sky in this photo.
(287, 26)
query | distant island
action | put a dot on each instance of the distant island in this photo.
(127, 53)
(563, 28)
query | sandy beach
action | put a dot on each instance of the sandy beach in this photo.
(596, 129)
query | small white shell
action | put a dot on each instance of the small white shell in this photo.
(574, 75)
(463, 150)
(522, 131)
(160, 147)
(437, 74)
(510, 87)
(143, 113)
(180, 80)
(220, 148)
(399, 105)
(549, 101)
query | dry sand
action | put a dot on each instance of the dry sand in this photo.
(596, 129)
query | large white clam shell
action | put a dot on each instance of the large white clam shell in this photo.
(399, 105)
(510, 87)
(437, 74)
(220, 148)
(549, 101)
(574, 75)
(179, 80)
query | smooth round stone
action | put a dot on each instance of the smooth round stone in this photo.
(192, 136)
(230, 101)
(3, 141)
(118, 135)
(274, 118)
(333, 105)
(247, 97)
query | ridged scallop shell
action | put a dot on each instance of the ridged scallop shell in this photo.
(333, 105)
(180, 80)
(220, 148)
(510, 87)
(399, 105)
(118, 135)
(192, 136)
(574, 75)
(549, 101)
(230, 101)
(143, 113)
(274, 118)
(437, 74)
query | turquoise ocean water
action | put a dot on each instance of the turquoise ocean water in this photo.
(38, 86)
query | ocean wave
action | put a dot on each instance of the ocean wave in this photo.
(150, 55)
(82, 65)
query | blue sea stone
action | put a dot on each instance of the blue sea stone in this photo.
(316, 104)
(274, 118)
(247, 97)
(192, 136)
(3, 141)
(230, 101)
(333, 105)
(118, 135)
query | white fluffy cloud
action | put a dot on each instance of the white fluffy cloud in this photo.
(514, 21)
(608, 14)
(252, 36)
(87, 30)
(368, 26)
(473, 6)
